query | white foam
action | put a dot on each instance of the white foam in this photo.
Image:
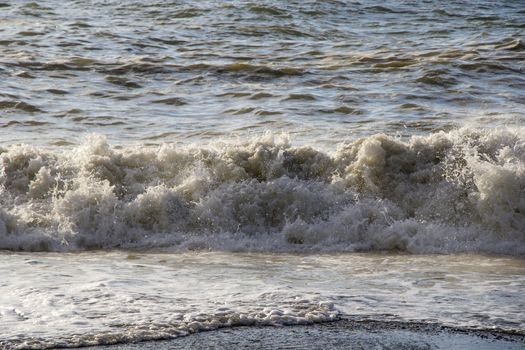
(447, 192)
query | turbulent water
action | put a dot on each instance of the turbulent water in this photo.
(448, 192)
(245, 133)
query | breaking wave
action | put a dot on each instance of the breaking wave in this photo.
(456, 191)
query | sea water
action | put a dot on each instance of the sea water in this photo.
(169, 167)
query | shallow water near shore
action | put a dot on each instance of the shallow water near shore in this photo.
(342, 334)
(338, 335)
(55, 300)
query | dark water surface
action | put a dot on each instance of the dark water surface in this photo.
(160, 71)
(338, 335)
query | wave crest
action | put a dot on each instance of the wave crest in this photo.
(447, 192)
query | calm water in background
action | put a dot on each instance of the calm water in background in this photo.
(184, 70)
(176, 166)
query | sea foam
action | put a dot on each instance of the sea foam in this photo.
(456, 191)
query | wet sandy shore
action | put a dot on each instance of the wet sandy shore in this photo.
(343, 334)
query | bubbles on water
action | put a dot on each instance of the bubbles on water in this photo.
(447, 192)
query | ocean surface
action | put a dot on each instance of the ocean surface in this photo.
(168, 167)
